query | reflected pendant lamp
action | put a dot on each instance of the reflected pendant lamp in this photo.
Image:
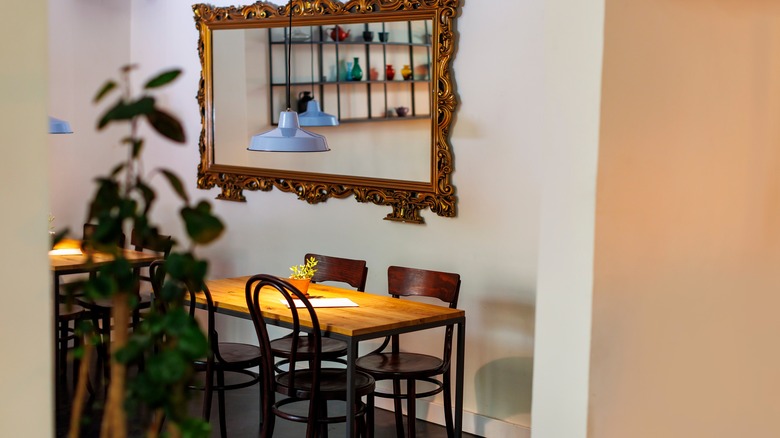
(314, 117)
(288, 136)
(58, 126)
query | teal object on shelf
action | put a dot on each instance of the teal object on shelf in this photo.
(357, 72)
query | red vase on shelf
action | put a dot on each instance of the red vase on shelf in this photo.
(389, 72)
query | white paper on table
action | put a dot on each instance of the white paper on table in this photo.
(65, 251)
(324, 302)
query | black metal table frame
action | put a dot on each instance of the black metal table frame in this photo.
(352, 355)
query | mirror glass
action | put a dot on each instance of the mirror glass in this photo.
(382, 70)
(248, 96)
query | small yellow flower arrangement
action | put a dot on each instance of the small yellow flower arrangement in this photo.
(304, 272)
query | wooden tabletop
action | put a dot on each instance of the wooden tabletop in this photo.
(374, 314)
(80, 262)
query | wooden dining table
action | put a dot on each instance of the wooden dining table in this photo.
(375, 316)
(68, 258)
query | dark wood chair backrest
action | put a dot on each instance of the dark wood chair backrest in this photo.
(89, 231)
(150, 241)
(349, 271)
(411, 282)
(408, 282)
(157, 278)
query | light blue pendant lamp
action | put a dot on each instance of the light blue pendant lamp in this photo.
(288, 136)
(58, 126)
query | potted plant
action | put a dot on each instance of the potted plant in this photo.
(302, 274)
(167, 341)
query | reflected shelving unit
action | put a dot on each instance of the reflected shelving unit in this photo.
(320, 62)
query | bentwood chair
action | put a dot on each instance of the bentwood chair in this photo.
(329, 269)
(147, 240)
(100, 310)
(310, 388)
(398, 366)
(223, 357)
(68, 313)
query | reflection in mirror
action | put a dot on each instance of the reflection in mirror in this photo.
(382, 72)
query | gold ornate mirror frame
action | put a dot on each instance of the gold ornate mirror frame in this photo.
(407, 198)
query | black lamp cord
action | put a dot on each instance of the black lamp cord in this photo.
(288, 40)
(311, 61)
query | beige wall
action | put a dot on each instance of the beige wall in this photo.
(572, 64)
(687, 235)
(26, 333)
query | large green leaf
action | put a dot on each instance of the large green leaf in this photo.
(127, 110)
(106, 198)
(186, 269)
(166, 125)
(176, 184)
(202, 226)
(162, 79)
(147, 194)
(136, 144)
(108, 86)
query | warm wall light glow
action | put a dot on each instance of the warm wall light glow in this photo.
(67, 247)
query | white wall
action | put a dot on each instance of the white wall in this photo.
(26, 330)
(493, 243)
(88, 43)
(572, 61)
(687, 244)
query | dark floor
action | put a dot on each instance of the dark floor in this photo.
(242, 407)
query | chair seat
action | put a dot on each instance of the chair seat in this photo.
(333, 383)
(399, 365)
(108, 303)
(330, 347)
(70, 312)
(235, 356)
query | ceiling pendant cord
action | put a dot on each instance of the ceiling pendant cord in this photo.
(288, 136)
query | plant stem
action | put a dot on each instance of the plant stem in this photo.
(81, 392)
(114, 417)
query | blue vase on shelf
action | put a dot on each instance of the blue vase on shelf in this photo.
(348, 71)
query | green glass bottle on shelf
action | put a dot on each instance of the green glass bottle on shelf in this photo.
(357, 72)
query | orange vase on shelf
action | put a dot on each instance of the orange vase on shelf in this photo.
(406, 72)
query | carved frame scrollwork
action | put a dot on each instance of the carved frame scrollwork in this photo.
(406, 198)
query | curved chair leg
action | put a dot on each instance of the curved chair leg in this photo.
(208, 393)
(221, 403)
(448, 404)
(63, 350)
(267, 428)
(76, 365)
(411, 409)
(370, 416)
(322, 412)
(399, 414)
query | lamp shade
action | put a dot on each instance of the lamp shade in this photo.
(314, 117)
(57, 126)
(288, 137)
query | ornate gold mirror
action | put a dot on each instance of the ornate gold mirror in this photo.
(382, 67)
